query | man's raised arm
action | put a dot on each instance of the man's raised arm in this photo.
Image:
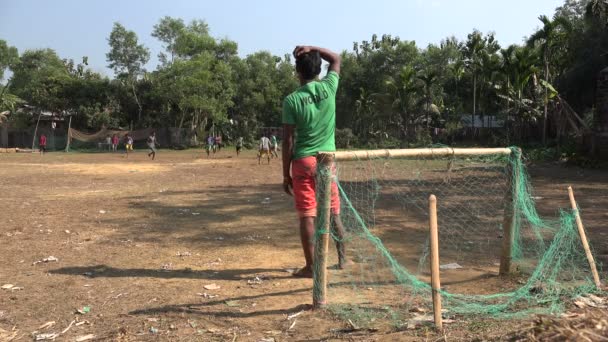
(331, 57)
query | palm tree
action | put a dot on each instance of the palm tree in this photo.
(402, 95)
(364, 113)
(598, 8)
(524, 70)
(546, 39)
(473, 52)
(428, 80)
(8, 103)
(490, 69)
(507, 65)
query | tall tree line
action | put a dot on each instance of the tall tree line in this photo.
(393, 92)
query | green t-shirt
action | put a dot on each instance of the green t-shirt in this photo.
(312, 109)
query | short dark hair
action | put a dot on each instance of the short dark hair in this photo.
(309, 65)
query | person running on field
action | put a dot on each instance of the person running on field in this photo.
(152, 145)
(264, 148)
(210, 144)
(114, 142)
(42, 144)
(128, 144)
(310, 113)
(239, 145)
(274, 146)
(218, 142)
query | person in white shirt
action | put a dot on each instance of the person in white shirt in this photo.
(152, 145)
(109, 143)
(239, 145)
(264, 149)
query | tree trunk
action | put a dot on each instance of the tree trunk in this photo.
(519, 118)
(179, 128)
(545, 103)
(480, 107)
(69, 139)
(474, 105)
(560, 128)
(136, 101)
(406, 127)
(204, 123)
(194, 128)
(36, 130)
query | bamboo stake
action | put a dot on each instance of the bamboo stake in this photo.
(510, 218)
(583, 235)
(319, 293)
(435, 282)
(417, 152)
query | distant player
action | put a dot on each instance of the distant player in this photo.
(109, 143)
(264, 149)
(239, 145)
(42, 144)
(152, 145)
(218, 142)
(210, 144)
(128, 144)
(274, 146)
(114, 142)
(309, 124)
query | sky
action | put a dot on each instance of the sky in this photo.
(76, 28)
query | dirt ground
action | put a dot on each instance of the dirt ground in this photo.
(137, 241)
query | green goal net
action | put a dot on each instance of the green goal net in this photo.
(384, 209)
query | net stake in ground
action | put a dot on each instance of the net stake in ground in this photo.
(324, 174)
(583, 235)
(435, 281)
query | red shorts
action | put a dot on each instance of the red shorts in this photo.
(304, 172)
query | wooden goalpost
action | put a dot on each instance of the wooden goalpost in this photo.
(325, 161)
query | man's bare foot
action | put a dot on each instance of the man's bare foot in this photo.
(305, 272)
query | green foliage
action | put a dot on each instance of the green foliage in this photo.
(263, 81)
(392, 92)
(598, 9)
(8, 57)
(345, 138)
(541, 154)
(196, 87)
(40, 78)
(126, 56)
(9, 102)
(167, 31)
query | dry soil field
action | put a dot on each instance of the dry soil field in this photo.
(170, 249)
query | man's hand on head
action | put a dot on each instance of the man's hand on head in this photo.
(331, 57)
(301, 49)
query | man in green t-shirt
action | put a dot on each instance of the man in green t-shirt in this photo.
(309, 124)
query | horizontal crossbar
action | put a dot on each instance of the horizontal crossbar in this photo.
(417, 152)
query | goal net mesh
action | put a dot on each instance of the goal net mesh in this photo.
(384, 209)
